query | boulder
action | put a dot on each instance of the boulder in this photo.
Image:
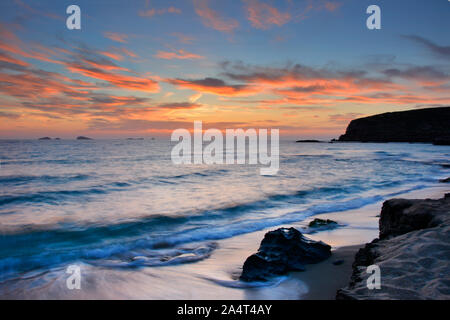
(399, 216)
(281, 251)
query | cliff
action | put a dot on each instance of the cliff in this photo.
(422, 125)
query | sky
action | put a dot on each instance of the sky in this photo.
(143, 68)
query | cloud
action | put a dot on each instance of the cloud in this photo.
(301, 85)
(214, 86)
(128, 52)
(116, 79)
(40, 93)
(213, 19)
(183, 38)
(9, 115)
(264, 16)
(179, 105)
(118, 37)
(179, 54)
(439, 51)
(423, 73)
(152, 12)
(111, 55)
(344, 118)
(7, 58)
(332, 5)
(35, 11)
(195, 97)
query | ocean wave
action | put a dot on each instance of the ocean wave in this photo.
(20, 179)
(130, 246)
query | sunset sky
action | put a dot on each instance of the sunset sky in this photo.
(145, 68)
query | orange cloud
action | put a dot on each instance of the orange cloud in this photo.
(263, 16)
(332, 6)
(129, 52)
(111, 55)
(7, 58)
(118, 37)
(119, 80)
(180, 54)
(212, 19)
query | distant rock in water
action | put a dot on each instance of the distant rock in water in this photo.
(308, 141)
(281, 251)
(45, 138)
(83, 138)
(429, 125)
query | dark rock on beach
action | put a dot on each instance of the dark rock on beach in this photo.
(322, 223)
(412, 252)
(83, 138)
(429, 125)
(446, 180)
(281, 251)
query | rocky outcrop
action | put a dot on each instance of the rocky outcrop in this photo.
(412, 252)
(423, 125)
(83, 138)
(281, 251)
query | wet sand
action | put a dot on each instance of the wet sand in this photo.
(325, 278)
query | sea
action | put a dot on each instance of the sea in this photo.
(121, 207)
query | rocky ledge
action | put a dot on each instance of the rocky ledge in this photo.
(281, 251)
(428, 125)
(412, 252)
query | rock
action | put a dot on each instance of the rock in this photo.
(399, 216)
(442, 141)
(308, 141)
(322, 223)
(446, 180)
(423, 125)
(45, 138)
(83, 138)
(281, 251)
(413, 253)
